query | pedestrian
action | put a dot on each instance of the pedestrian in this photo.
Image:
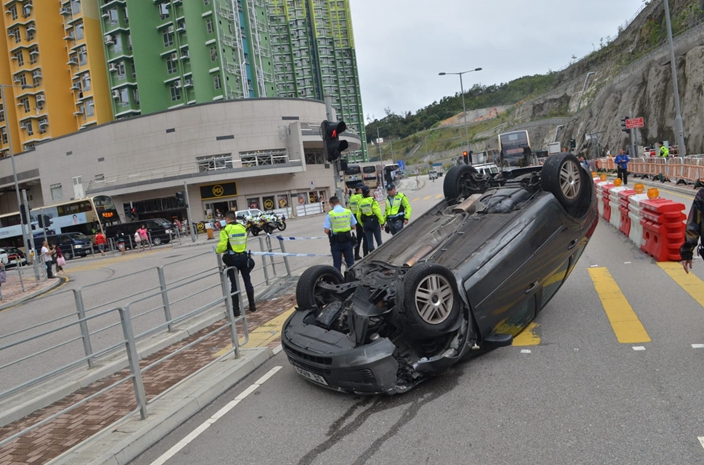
(621, 161)
(354, 207)
(694, 232)
(663, 151)
(3, 276)
(397, 211)
(60, 260)
(144, 236)
(100, 241)
(120, 237)
(338, 227)
(369, 214)
(233, 246)
(47, 254)
(137, 240)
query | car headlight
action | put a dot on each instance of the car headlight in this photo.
(168, 231)
(78, 246)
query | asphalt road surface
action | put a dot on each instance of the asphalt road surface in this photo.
(609, 373)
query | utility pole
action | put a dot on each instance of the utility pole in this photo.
(188, 212)
(679, 127)
(35, 263)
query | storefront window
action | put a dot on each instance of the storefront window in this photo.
(282, 201)
(253, 202)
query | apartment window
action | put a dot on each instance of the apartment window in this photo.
(24, 101)
(117, 46)
(164, 10)
(76, 6)
(79, 31)
(112, 16)
(40, 101)
(168, 39)
(15, 32)
(56, 193)
(135, 95)
(82, 56)
(206, 2)
(216, 81)
(90, 107)
(124, 97)
(36, 80)
(29, 127)
(85, 79)
(3, 133)
(176, 91)
(246, 58)
(209, 25)
(129, 41)
(171, 66)
(43, 125)
(213, 54)
(21, 79)
(27, 10)
(33, 54)
(30, 36)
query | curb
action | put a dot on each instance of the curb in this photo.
(127, 438)
(59, 282)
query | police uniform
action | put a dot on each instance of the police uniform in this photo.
(340, 222)
(370, 216)
(664, 151)
(233, 246)
(361, 239)
(397, 210)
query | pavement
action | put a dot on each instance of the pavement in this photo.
(12, 292)
(73, 438)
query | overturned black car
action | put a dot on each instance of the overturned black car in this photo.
(469, 274)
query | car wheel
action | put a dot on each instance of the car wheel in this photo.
(431, 305)
(309, 294)
(157, 241)
(454, 185)
(562, 176)
(68, 255)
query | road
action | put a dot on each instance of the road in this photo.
(567, 392)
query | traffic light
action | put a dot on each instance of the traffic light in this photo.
(24, 214)
(128, 210)
(623, 125)
(331, 131)
(180, 200)
(573, 144)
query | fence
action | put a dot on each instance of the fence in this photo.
(680, 169)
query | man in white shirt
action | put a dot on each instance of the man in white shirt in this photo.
(46, 255)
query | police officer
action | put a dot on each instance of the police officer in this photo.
(338, 226)
(370, 216)
(397, 211)
(354, 207)
(233, 246)
(664, 152)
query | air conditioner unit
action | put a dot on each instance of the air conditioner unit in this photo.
(112, 67)
(37, 74)
(188, 82)
(115, 94)
(13, 57)
(72, 62)
(43, 123)
(75, 86)
(177, 84)
(79, 112)
(66, 11)
(170, 29)
(174, 56)
(18, 80)
(109, 39)
(40, 97)
(105, 15)
(22, 125)
(28, 5)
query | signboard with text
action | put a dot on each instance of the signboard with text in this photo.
(633, 123)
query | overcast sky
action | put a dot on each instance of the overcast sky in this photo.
(402, 45)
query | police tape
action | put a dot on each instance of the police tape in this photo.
(283, 238)
(284, 254)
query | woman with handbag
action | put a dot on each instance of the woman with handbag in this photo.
(60, 260)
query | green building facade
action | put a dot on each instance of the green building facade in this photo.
(163, 54)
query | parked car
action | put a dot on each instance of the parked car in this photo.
(488, 169)
(72, 244)
(469, 274)
(159, 229)
(12, 256)
(432, 174)
(252, 212)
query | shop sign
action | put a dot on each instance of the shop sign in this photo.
(216, 191)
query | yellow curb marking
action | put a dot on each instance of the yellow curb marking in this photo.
(263, 335)
(527, 337)
(624, 321)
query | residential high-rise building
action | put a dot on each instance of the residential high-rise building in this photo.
(54, 70)
(112, 59)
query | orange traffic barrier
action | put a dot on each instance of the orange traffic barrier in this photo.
(606, 200)
(663, 229)
(625, 226)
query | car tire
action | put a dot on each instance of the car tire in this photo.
(454, 184)
(431, 304)
(562, 176)
(68, 255)
(157, 241)
(307, 294)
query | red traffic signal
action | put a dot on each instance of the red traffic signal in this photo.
(331, 131)
(465, 156)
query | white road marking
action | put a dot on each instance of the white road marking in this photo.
(697, 346)
(210, 421)
(525, 351)
(277, 349)
(638, 348)
(701, 440)
(594, 266)
(626, 263)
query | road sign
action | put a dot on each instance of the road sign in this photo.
(634, 123)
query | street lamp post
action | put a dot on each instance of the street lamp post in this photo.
(679, 127)
(25, 238)
(464, 108)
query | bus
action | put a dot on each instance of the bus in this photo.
(515, 151)
(11, 230)
(87, 216)
(368, 174)
(391, 173)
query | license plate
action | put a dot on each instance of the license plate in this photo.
(311, 376)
